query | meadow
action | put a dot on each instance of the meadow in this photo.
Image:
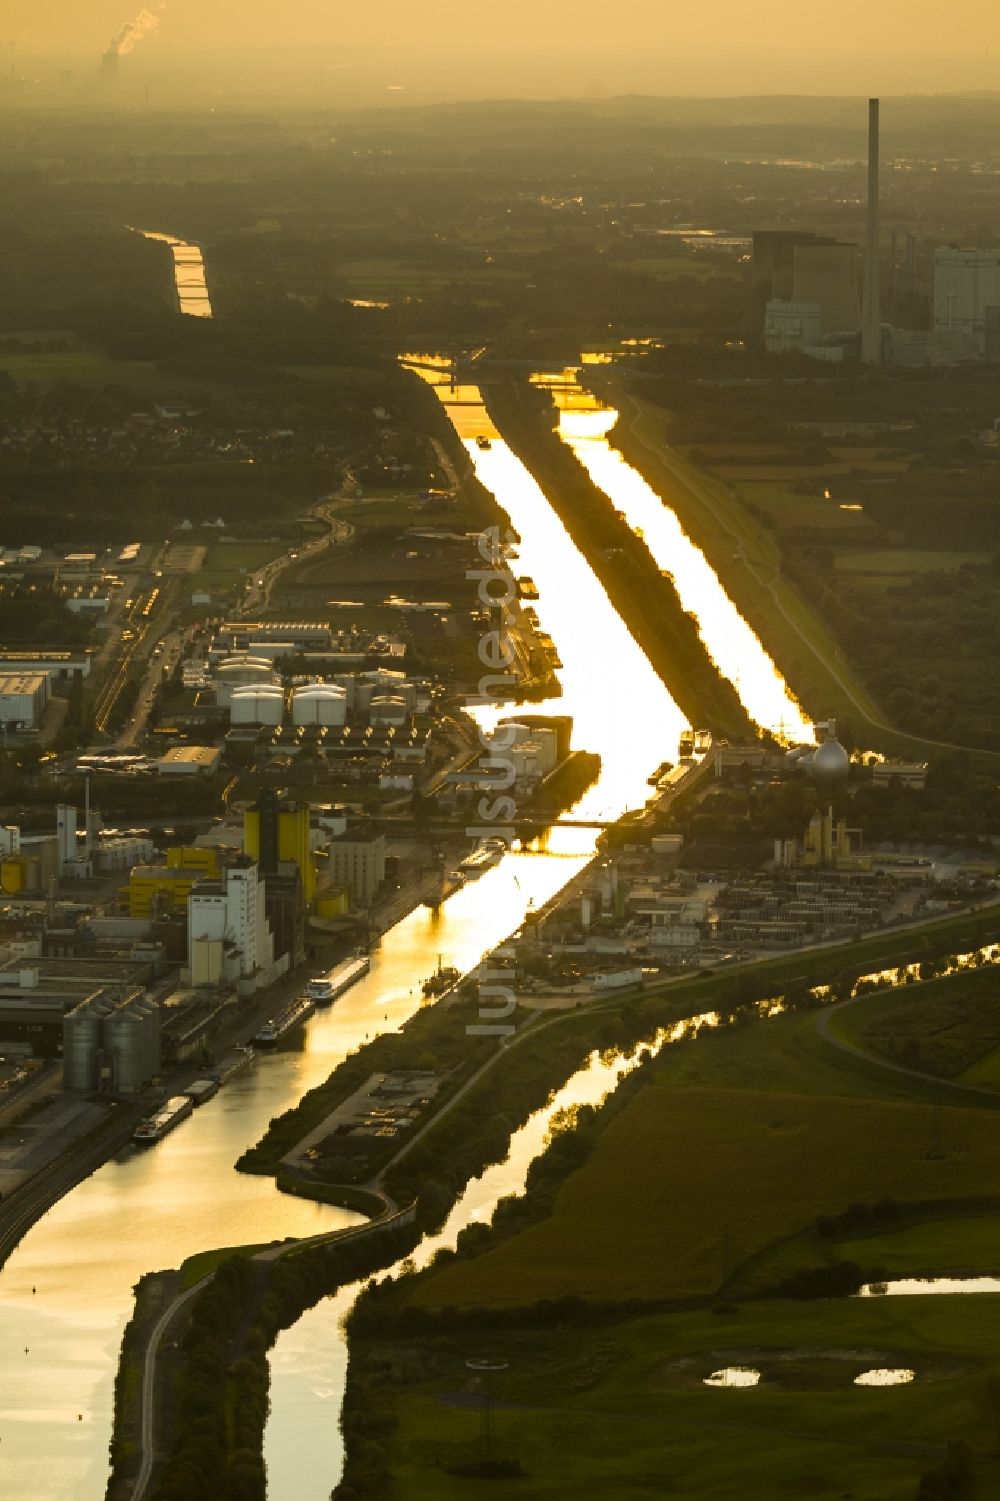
(622, 1411)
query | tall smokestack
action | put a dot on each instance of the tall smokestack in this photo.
(871, 323)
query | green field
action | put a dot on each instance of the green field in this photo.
(685, 1182)
(88, 366)
(785, 509)
(386, 279)
(622, 1411)
(906, 560)
(949, 1028)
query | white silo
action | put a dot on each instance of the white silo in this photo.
(319, 703)
(260, 703)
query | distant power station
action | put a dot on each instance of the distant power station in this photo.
(804, 294)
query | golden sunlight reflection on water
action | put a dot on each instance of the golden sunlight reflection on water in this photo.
(189, 274)
(584, 423)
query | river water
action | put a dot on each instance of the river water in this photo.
(67, 1290)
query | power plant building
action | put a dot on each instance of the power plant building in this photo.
(967, 295)
(791, 325)
(826, 275)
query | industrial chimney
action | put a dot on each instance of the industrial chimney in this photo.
(871, 322)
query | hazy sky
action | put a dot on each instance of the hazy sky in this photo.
(793, 45)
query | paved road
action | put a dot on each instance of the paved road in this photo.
(147, 1434)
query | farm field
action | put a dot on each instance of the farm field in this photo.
(622, 1410)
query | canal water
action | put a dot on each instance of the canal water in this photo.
(189, 274)
(584, 423)
(67, 1290)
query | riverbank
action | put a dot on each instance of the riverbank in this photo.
(747, 560)
(643, 597)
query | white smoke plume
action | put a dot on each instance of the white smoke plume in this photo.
(134, 31)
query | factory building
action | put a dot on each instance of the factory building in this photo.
(56, 665)
(229, 937)
(111, 1043)
(357, 861)
(156, 890)
(190, 761)
(967, 294)
(23, 697)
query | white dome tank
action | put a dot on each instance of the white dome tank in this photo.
(829, 763)
(387, 709)
(259, 704)
(319, 703)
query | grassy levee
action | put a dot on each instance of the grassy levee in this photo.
(746, 558)
(153, 1293)
(645, 599)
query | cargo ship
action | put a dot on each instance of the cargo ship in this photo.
(169, 1115)
(234, 1064)
(328, 987)
(482, 857)
(483, 443)
(201, 1090)
(277, 1026)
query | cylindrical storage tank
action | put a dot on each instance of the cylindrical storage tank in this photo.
(240, 672)
(81, 1046)
(263, 704)
(387, 709)
(319, 703)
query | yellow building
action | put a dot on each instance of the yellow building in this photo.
(276, 832)
(335, 901)
(170, 885)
